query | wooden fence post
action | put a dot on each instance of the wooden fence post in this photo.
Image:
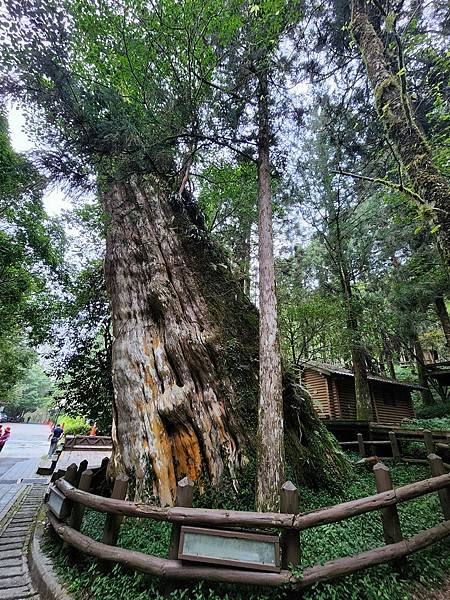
(437, 468)
(429, 442)
(290, 538)
(81, 469)
(78, 510)
(185, 492)
(396, 455)
(362, 450)
(113, 522)
(392, 531)
(71, 474)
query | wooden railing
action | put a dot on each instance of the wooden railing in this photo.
(394, 441)
(76, 488)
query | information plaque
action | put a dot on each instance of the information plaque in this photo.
(58, 503)
(233, 548)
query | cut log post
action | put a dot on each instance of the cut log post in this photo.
(113, 522)
(429, 442)
(57, 475)
(394, 446)
(81, 469)
(185, 492)
(362, 450)
(437, 469)
(76, 517)
(290, 539)
(392, 531)
(71, 474)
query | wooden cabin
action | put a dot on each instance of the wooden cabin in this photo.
(332, 390)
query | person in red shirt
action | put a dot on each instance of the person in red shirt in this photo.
(4, 437)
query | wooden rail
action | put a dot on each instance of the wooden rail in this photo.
(291, 523)
(394, 440)
(257, 520)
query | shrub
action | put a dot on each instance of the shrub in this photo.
(74, 425)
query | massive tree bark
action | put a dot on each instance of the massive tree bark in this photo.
(392, 105)
(270, 410)
(185, 353)
(442, 312)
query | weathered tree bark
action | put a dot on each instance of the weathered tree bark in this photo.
(270, 475)
(442, 312)
(185, 353)
(422, 376)
(392, 106)
(364, 410)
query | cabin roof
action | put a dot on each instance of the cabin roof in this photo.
(330, 370)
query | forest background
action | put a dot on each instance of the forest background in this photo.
(359, 273)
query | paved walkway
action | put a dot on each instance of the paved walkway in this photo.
(19, 460)
(15, 583)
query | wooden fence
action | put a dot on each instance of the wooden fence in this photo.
(77, 486)
(394, 442)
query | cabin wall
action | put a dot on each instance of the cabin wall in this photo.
(392, 403)
(347, 398)
(316, 384)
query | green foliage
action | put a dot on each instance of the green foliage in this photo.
(31, 248)
(327, 542)
(31, 392)
(74, 425)
(441, 422)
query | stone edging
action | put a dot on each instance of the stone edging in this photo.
(41, 570)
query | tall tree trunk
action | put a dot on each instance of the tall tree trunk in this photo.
(364, 410)
(427, 396)
(270, 412)
(392, 106)
(442, 312)
(185, 353)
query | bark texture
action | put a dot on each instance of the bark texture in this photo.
(175, 415)
(270, 410)
(392, 106)
(427, 396)
(185, 353)
(442, 313)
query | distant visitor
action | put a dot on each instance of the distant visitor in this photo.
(4, 437)
(55, 435)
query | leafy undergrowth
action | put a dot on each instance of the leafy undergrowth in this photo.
(87, 579)
(440, 423)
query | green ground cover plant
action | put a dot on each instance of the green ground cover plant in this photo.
(86, 579)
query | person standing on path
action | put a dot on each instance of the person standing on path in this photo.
(4, 436)
(54, 437)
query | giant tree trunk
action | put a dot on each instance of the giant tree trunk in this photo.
(402, 129)
(185, 354)
(442, 312)
(270, 410)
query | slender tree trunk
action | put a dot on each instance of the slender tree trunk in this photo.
(364, 410)
(442, 312)
(427, 396)
(270, 413)
(393, 109)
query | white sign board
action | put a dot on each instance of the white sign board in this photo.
(232, 548)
